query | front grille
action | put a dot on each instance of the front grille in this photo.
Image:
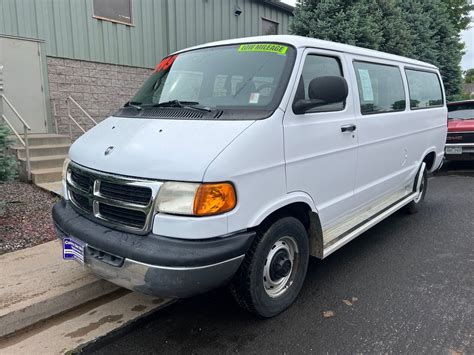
(123, 215)
(82, 202)
(128, 193)
(460, 137)
(82, 180)
(120, 202)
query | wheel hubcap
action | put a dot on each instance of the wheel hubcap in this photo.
(281, 265)
(279, 269)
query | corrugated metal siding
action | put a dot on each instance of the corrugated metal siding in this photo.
(160, 27)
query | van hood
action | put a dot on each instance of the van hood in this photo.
(155, 148)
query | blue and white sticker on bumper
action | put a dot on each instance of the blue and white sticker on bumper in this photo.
(73, 250)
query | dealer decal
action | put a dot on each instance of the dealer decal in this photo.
(263, 47)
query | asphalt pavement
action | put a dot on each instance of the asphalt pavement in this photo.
(405, 286)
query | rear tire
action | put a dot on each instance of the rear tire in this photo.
(415, 205)
(273, 271)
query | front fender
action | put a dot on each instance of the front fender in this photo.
(292, 197)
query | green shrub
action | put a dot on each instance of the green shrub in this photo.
(8, 164)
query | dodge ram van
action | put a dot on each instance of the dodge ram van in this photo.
(238, 160)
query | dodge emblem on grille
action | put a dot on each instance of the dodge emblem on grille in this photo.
(108, 150)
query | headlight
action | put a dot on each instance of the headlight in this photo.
(65, 166)
(196, 199)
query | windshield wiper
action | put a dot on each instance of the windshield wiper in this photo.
(134, 104)
(184, 104)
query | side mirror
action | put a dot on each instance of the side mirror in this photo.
(323, 90)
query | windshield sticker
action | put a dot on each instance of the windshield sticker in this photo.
(263, 47)
(254, 97)
(166, 63)
(366, 85)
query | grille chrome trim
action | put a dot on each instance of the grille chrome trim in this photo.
(96, 198)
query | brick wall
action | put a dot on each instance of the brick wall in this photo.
(99, 88)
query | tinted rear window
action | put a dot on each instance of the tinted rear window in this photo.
(461, 111)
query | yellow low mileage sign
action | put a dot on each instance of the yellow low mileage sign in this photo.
(263, 47)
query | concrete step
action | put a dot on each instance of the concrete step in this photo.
(54, 187)
(43, 150)
(44, 162)
(39, 139)
(46, 175)
(35, 140)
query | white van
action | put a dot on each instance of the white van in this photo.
(239, 159)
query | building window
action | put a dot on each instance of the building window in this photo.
(269, 27)
(119, 11)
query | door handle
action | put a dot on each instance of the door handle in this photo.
(348, 128)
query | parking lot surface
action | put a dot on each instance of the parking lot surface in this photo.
(406, 286)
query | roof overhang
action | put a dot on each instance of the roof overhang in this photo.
(279, 4)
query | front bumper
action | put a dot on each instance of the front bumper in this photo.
(152, 264)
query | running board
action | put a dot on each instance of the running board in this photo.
(364, 226)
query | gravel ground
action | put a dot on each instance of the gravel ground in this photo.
(25, 216)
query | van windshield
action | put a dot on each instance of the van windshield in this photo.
(243, 77)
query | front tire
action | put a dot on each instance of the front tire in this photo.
(273, 271)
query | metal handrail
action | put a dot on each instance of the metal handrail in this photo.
(26, 128)
(13, 129)
(69, 115)
(16, 112)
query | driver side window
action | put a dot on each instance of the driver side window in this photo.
(316, 66)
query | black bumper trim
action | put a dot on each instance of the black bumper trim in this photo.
(151, 249)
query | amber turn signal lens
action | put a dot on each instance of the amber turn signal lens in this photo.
(213, 199)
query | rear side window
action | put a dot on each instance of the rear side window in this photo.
(380, 88)
(316, 66)
(424, 88)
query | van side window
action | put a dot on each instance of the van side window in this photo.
(380, 88)
(424, 88)
(314, 67)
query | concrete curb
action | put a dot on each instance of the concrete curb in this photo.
(25, 317)
(83, 325)
(37, 284)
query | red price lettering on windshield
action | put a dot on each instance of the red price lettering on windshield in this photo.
(166, 63)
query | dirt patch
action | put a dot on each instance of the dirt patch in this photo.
(25, 216)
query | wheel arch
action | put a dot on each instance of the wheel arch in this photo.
(429, 157)
(301, 208)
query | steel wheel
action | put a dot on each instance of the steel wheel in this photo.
(280, 266)
(274, 268)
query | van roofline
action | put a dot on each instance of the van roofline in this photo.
(302, 42)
